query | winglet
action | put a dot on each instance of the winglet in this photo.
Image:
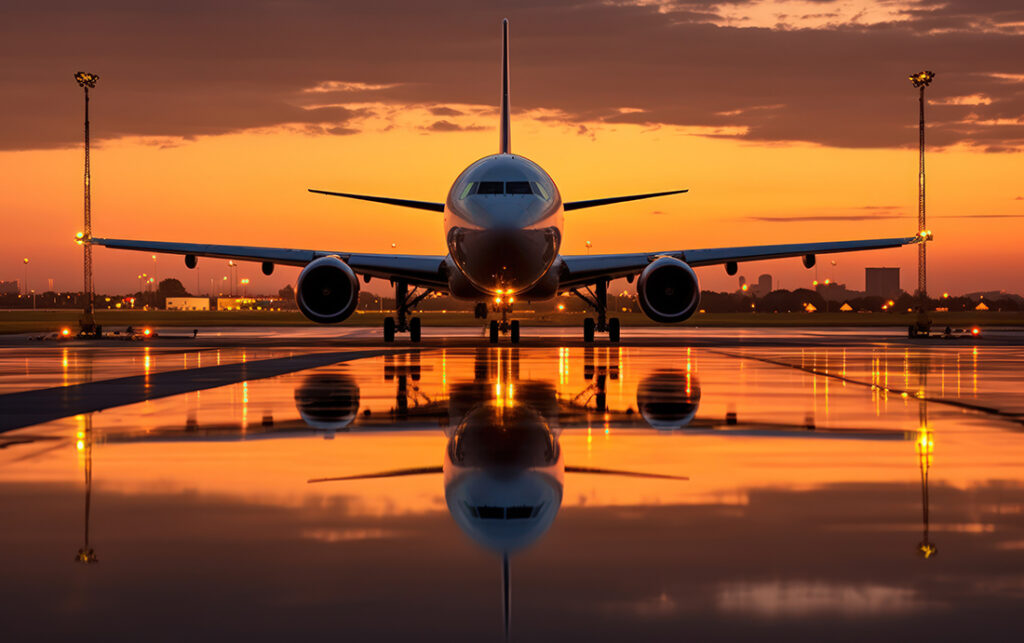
(505, 142)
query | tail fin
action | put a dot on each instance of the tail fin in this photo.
(505, 143)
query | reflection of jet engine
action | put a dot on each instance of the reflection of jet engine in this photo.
(327, 291)
(668, 399)
(503, 474)
(327, 401)
(668, 290)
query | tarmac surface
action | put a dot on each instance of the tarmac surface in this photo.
(712, 484)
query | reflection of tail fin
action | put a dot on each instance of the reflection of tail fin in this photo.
(506, 592)
(505, 142)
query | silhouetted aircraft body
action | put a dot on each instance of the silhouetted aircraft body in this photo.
(503, 223)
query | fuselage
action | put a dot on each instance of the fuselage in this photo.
(503, 224)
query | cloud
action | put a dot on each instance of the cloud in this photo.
(448, 126)
(213, 68)
(441, 110)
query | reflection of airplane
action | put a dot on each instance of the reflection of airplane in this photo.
(503, 221)
(503, 478)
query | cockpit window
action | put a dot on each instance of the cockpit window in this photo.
(491, 187)
(518, 187)
(539, 190)
(469, 188)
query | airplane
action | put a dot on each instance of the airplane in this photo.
(503, 222)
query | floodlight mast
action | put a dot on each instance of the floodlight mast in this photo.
(921, 80)
(86, 81)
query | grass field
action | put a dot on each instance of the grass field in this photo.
(39, 321)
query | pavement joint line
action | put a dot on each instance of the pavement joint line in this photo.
(988, 410)
(28, 408)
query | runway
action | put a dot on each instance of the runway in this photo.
(716, 486)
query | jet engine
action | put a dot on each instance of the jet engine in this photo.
(668, 290)
(327, 291)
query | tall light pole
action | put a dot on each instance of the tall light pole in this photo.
(920, 81)
(87, 81)
(24, 284)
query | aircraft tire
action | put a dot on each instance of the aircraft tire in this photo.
(414, 329)
(494, 331)
(613, 330)
(588, 329)
(514, 331)
(389, 329)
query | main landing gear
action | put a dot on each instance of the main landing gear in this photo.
(405, 300)
(598, 300)
(506, 325)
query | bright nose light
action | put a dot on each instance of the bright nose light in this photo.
(497, 300)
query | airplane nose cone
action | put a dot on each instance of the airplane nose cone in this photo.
(505, 257)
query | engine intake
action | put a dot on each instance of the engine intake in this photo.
(668, 290)
(327, 291)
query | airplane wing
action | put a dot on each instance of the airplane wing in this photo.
(580, 270)
(417, 270)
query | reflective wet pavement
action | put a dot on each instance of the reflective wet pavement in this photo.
(711, 493)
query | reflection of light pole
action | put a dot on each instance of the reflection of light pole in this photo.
(87, 81)
(925, 447)
(86, 554)
(922, 80)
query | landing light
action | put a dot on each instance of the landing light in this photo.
(497, 300)
(147, 331)
(975, 331)
(561, 306)
(65, 332)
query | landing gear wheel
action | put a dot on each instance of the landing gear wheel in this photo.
(494, 331)
(588, 329)
(414, 329)
(389, 329)
(514, 331)
(613, 330)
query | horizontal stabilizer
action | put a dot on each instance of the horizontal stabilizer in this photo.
(405, 203)
(576, 205)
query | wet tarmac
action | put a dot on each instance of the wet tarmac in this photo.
(292, 484)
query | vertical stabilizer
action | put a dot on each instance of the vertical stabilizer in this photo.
(505, 143)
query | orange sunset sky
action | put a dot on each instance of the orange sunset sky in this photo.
(789, 120)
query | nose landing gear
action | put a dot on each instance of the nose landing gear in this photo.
(598, 300)
(506, 325)
(405, 301)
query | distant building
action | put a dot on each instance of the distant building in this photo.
(188, 303)
(9, 288)
(763, 287)
(882, 282)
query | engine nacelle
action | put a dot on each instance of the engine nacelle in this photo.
(668, 290)
(327, 291)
